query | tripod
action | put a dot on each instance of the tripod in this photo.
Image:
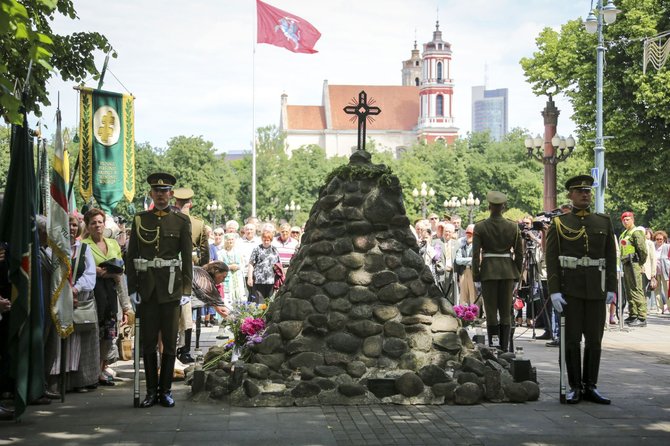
(534, 287)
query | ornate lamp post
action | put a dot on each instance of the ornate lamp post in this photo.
(594, 24)
(471, 203)
(291, 209)
(214, 210)
(425, 194)
(545, 151)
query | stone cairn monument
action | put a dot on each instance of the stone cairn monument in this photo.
(359, 319)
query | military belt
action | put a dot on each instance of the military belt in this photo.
(490, 254)
(143, 265)
(576, 262)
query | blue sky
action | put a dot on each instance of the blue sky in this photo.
(190, 64)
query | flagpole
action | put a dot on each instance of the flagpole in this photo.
(253, 124)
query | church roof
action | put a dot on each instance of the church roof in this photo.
(306, 117)
(399, 105)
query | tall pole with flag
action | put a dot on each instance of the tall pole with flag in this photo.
(19, 231)
(285, 30)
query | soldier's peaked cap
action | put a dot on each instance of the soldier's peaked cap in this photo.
(183, 193)
(580, 182)
(495, 197)
(161, 180)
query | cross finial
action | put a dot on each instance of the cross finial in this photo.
(362, 110)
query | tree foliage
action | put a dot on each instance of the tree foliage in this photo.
(636, 106)
(26, 35)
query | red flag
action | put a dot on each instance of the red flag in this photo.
(284, 29)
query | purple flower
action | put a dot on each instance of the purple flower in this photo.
(469, 316)
(250, 326)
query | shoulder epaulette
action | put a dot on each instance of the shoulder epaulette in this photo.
(183, 216)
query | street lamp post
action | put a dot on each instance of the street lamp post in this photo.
(291, 209)
(214, 210)
(594, 24)
(425, 194)
(550, 150)
(471, 203)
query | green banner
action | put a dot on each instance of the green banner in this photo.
(107, 147)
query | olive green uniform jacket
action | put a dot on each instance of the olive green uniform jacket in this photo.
(496, 235)
(581, 233)
(165, 235)
(200, 242)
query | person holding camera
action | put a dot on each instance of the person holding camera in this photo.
(581, 268)
(497, 257)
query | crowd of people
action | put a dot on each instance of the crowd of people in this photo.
(507, 268)
(111, 287)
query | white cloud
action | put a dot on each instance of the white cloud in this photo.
(190, 64)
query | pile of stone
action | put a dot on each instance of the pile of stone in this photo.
(360, 319)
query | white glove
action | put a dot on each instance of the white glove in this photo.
(185, 300)
(135, 298)
(611, 297)
(557, 301)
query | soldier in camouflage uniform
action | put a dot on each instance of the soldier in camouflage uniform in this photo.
(160, 274)
(497, 258)
(581, 270)
(633, 253)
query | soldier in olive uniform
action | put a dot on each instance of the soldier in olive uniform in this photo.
(183, 203)
(160, 274)
(497, 258)
(633, 255)
(581, 270)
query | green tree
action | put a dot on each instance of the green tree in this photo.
(196, 165)
(26, 35)
(636, 106)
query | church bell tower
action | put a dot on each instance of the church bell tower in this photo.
(436, 120)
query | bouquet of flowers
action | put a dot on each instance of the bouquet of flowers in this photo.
(467, 314)
(247, 323)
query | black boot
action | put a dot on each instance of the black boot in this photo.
(151, 377)
(573, 364)
(591, 369)
(185, 351)
(505, 344)
(165, 383)
(492, 330)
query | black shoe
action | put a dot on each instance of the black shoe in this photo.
(553, 343)
(574, 396)
(150, 400)
(629, 319)
(186, 358)
(544, 336)
(166, 399)
(638, 323)
(592, 394)
(41, 401)
(106, 382)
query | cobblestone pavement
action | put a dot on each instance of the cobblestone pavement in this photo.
(635, 373)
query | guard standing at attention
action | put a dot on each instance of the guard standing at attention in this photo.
(160, 273)
(183, 197)
(581, 269)
(497, 258)
(633, 255)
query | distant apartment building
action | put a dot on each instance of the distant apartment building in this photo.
(489, 111)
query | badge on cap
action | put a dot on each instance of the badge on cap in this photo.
(161, 180)
(580, 182)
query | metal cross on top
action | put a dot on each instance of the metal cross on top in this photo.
(362, 110)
